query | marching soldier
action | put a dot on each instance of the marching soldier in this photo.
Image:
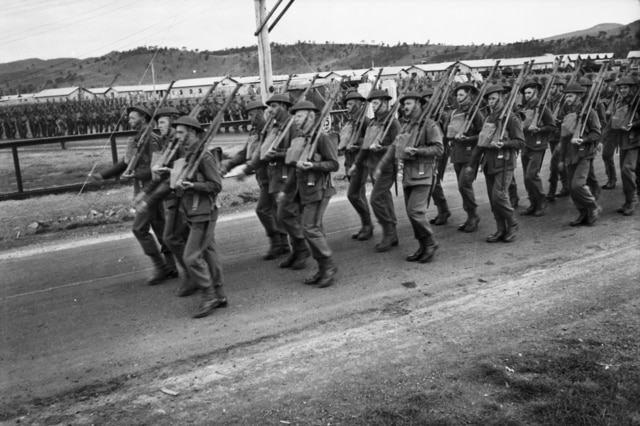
(312, 188)
(536, 137)
(608, 148)
(462, 146)
(164, 267)
(418, 148)
(370, 155)
(176, 230)
(577, 155)
(287, 211)
(199, 204)
(624, 134)
(437, 194)
(498, 163)
(555, 103)
(266, 208)
(356, 192)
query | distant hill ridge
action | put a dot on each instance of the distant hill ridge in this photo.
(128, 67)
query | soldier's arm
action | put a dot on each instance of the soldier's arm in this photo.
(433, 142)
(329, 156)
(515, 135)
(212, 181)
(593, 130)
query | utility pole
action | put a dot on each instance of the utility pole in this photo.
(264, 50)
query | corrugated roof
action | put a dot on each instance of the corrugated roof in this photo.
(633, 54)
(432, 67)
(202, 81)
(574, 56)
(62, 91)
(99, 90)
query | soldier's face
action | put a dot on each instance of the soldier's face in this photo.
(181, 133)
(135, 120)
(529, 93)
(254, 114)
(276, 107)
(352, 105)
(164, 124)
(379, 105)
(461, 95)
(555, 89)
(493, 99)
(303, 119)
(570, 98)
(409, 106)
(624, 90)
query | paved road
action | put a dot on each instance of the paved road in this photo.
(82, 315)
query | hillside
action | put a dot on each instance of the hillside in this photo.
(131, 67)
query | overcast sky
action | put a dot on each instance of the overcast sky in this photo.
(81, 28)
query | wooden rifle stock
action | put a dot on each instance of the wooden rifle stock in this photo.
(196, 110)
(360, 120)
(317, 129)
(190, 170)
(475, 107)
(144, 138)
(544, 97)
(588, 104)
(511, 102)
(282, 132)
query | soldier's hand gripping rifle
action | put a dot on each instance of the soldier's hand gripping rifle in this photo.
(477, 103)
(505, 115)
(589, 104)
(142, 142)
(536, 121)
(189, 171)
(282, 131)
(170, 150)
(359, 123)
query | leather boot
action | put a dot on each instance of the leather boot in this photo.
(430, 247)
(541, 207)
(630, 208)
(328, 270)
(278, 246)
(442, 218)
(499, 234)
(415, 256)
(170, 261)
(187, 288)
(301, 252)
(366, 233)
(210, 301)
(160, 270)
(564, 192)
(529, 211)
(581, 219)
(593, 214)
(471, 225)
(389, 238)
(609, 185)
(511, 232)
(313, 279)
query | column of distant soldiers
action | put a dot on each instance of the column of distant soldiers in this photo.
(95, 116)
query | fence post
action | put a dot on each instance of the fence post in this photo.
(114, 148)
(16, 166)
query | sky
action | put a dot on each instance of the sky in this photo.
(49, 29)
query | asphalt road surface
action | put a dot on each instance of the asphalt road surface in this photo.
(79, 315)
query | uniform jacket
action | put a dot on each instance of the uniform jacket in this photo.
(461, 151)
(277, 170)
(252, 159)
(496, 160)
(622, 116)
(420, 168)
(369, 158)
(572, 153)
(199, 203)
(540, 140)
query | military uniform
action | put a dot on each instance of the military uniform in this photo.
(625, 134)
(579, 158)
(199, 205)
(153, 217)
(419, 173)
(266, 207)
(555, 175)
(536, 142)
(312, 192)
(498, 165)
(381, 199)
(462, 146)
(356, 192)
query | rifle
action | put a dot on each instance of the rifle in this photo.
(544, 97)
(281, 133)
(170, 150)
(144, 138)
(444, 97)
(285, 89)
(360, 120)
(310, 149)
(189, 171)
(574, 75)
(505, 115)
(435, 100)
(583, 118)
(475, 106)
